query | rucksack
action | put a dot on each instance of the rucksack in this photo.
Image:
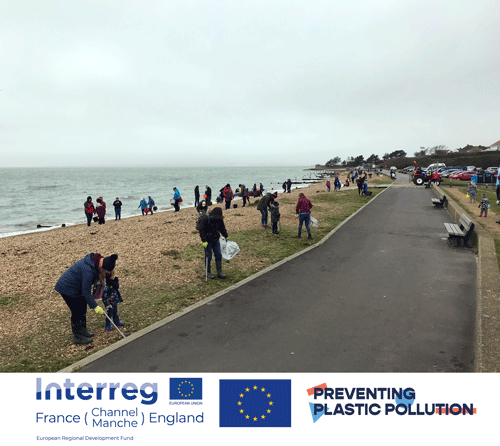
(200, 219)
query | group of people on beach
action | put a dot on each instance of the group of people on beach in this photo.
(99, 211)
(93, 277)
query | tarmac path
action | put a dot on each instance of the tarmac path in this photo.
(385, 293)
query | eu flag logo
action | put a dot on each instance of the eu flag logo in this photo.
(186, 388)
(255, 403)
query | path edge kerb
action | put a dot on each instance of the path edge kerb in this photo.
(487, 333)
(110, 348)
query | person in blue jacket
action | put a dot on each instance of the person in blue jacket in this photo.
(151, 204)
(143, 204)
(75, 287)
(177, 198)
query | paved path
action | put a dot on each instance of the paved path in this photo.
(386, 293)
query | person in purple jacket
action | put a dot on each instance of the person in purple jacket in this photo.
(75, 287)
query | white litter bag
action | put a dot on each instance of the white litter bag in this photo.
(314, 223)
(228, 248)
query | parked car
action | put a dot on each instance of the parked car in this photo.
(466, 176)
(491, 170)
(448, 173)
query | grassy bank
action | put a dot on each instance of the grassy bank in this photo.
(148, 299)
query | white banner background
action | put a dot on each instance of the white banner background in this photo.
(19, 409)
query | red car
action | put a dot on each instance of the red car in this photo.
(466, 176)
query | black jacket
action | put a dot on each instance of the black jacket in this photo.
(212, 226)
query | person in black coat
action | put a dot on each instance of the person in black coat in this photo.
(208, 193)
(196, 196)
(211, 228)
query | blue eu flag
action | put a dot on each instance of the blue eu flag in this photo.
(186, 388)
(255, 403)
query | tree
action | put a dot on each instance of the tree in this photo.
(359, 160)
(373, 159)
(334, 161)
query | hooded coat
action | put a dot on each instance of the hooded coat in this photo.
(212, 226)
(78, 279)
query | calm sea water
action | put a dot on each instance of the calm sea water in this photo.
(55, 196)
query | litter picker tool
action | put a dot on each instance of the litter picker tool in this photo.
(110, 320)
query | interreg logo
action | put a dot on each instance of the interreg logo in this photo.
(255, 403)
(148, 392)
(368, 401)
(186, 389)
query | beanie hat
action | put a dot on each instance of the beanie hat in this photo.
(89, 198)
(216, 213)
(109, 262)
(275, 194)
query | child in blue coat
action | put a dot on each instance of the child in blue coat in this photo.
(111, 298)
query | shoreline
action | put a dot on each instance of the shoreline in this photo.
(139, 214)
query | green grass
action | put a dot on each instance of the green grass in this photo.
(492, 196)
(382, 180)
(8, 300)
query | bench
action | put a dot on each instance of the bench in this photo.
(461, 231)
(439, 202)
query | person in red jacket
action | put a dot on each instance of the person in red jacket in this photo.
(101, 210)
(303, 209)
(228, 195)
(88, 206)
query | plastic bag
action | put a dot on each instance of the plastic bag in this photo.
(314, 223)
(228, 248)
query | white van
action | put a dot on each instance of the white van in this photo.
(435, 166)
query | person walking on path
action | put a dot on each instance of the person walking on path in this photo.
(228, 195)
(196, 196)
(75, 287)
(211, 226)
(289, 185)
(264, 205)
(208, 197)
(177, 198)
(143, 205)
(89, 209)
(275, 217)
(117, 204)
(101, 210)
(151, 204)
(303, 209)
(484, 205)
(472, 191)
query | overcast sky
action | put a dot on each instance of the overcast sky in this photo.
(182, 82)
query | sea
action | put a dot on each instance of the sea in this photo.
(40, 199)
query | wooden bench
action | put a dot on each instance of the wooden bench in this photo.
(439, 202)
(461, 231)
